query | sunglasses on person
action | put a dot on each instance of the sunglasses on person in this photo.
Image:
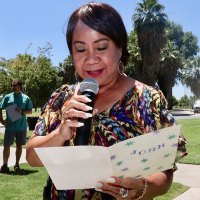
(14, 85)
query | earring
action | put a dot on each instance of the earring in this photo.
(121, 68)
(77, 77)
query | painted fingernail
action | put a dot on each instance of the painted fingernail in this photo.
(88, 107)
(111, 180)
(99, 190)
(98, 186)
(80, 124)
(87, 99)
(87, 115)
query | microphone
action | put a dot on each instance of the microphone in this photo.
(88, 87)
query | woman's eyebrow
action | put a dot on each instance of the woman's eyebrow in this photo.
(79, 42)
(101, 39)
(96, 41)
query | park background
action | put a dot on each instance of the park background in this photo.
(27, 25)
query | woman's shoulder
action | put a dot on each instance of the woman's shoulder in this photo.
(145, 93)
(66, 87)
(142, 89)
(60, 95)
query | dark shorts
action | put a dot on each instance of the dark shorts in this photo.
(19, 136)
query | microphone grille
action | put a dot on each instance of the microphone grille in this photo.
(89, 84)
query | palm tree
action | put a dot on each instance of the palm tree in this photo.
(190, 75)
(171, 61)
(150, 23)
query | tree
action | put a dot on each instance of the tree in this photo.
(4, 77)
(67, 71)
(174, 101)
(133, 67)
(38, 75)
(184, 101)
(150, 23)
(190, 75)
(180, 47)
(42, 79)
(171, 61)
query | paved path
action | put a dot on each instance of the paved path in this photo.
(188, 175)
(11, 161)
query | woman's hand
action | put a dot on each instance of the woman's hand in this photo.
(73, 109)
(123, 188)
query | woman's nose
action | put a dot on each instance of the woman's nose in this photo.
(92, 58)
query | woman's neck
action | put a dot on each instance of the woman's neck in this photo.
(111, 86)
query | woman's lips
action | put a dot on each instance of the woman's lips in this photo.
(95, 73)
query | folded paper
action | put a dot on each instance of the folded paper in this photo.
(81, 167)
(12, 113)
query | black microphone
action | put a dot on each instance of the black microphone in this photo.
(88, 87)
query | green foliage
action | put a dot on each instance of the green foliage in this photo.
(190, 75)
(174, 101)
(185, 42)
(184, 102)
(5, 79)
(41, 80)
(38, 76)
(149, 23)
(132, 68)
(67, 71)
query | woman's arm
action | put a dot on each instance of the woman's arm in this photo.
(51, 140)
(158, 184)
(75, 108)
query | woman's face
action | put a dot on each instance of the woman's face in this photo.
(95, 55)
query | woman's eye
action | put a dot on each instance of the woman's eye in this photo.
(102, 48)
(80, 50)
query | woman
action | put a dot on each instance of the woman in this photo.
(97, 41)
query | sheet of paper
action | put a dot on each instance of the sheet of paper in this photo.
(81, 167)
(146, 154)
(12, 113)
(76, 167)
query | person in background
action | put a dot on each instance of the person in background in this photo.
(124, 107)
(15, 129)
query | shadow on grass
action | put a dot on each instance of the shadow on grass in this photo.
(22, 172)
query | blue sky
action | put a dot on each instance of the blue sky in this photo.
(26, 25)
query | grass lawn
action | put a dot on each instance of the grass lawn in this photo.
(191, 130)
(25, 185)
(29, 183)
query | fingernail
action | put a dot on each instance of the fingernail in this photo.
(87, 115)
(98, 186)
(88, 107)
(80, 124)
(111, 180)
(87, 99)
(99, 190)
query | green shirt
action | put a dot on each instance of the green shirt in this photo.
(23, 102)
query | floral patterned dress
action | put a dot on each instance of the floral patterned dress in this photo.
(141, 110)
